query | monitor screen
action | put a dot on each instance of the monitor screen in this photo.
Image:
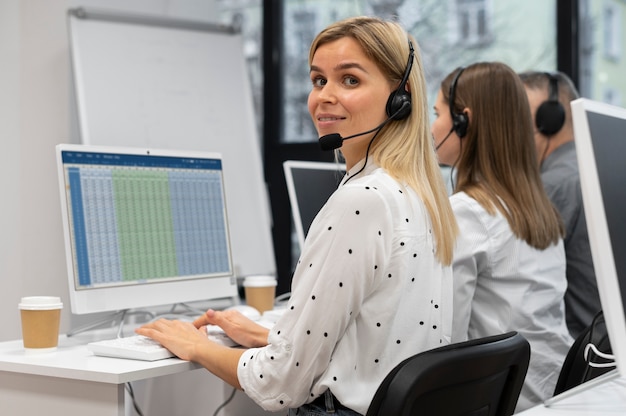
(310, 184)
(600, 146)
(143, 227)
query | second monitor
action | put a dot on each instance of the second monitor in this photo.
(310, 184)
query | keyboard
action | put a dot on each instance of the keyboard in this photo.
(138, 347)
(135, 347)
(217, 335)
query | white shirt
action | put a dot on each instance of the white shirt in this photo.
(502, 284)
(367, 293)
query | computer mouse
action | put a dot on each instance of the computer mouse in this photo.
(247, 311)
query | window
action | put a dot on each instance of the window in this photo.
(602, 67)
(611, 96)
(473, 22)
(300, 29)
(612, 27)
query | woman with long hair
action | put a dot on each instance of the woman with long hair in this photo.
(373, 285)
(509, 262)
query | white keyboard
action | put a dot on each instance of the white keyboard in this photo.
(136, 347)
(217, 335)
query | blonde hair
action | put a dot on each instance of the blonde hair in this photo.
(498, 165)
(403, 148)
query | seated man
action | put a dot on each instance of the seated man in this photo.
(549, 96)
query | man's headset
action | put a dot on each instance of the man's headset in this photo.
(550, 115)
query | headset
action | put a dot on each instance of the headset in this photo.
(550, 115)
(459, 120)
(397, 108)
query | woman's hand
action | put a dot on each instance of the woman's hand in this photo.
(181, 338)
(239, 328)
(190, 343)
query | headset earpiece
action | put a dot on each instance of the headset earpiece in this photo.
(460, 121)
(550, 115)
(396, 101)
(399, 102)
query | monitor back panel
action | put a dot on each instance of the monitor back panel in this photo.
(310, 184)
(601, 149)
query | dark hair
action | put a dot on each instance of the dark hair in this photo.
(541, 80)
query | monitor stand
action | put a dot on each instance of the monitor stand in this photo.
(113, 319)
(118, 318)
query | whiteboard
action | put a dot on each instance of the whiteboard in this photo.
(172, 84)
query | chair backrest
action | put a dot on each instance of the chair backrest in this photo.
(478, 377)
(576, 369)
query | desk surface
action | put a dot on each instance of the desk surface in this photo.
(72, 360)
(607, 397)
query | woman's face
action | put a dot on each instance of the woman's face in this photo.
(348, 95)
(448, 148)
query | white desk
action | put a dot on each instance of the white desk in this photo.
(608, 397)
(71, 381)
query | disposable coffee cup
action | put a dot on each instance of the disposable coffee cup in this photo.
(41, 317)
(260, 292)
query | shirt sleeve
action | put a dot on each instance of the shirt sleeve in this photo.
(470, 259)
(347, 245)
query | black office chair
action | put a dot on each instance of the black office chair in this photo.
(481, 377)
(576, 370)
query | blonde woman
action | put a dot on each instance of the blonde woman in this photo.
(373, 284)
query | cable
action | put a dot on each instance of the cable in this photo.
(600, 354)
(131, 393)
(284, 298)
(452, 169)
(593, 325)
(586, 357)
(120, 327)
(187, 307)
(221, 406)
(367, 153)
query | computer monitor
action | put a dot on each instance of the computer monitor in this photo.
(143, 227)
(309, 185)
(601, 147)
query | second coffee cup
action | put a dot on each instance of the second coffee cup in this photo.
(260, 292)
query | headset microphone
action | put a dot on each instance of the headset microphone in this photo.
(444, 139)
(331, 141)
(334, 140)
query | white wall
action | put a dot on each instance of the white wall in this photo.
(34, 117)
(34, 107)
(9, 164)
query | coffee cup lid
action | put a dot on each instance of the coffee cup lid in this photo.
(35, 303)
(259, 281)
